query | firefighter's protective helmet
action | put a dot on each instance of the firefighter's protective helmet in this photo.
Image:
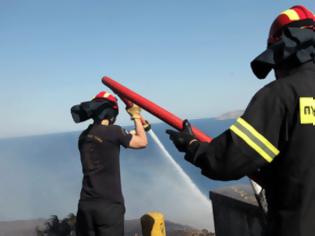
(108, 109)
(297, 16)
(103, 106)
(290, 34)
(109, 97)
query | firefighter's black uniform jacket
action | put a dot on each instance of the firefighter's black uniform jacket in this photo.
(276, 135)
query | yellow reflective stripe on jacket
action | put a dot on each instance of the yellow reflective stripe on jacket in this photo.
(252, 144)
(254, 139)
(258, 135)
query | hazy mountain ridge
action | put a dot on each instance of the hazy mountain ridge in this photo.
(132, 227)
(20, 227)
(230, 115)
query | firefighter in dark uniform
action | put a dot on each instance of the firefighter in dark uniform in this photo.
(275, 136)
(101, 206)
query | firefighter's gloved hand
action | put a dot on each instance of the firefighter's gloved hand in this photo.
(134, 112)
(184, 138)
(146, 125)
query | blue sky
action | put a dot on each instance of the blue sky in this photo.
(191, 57)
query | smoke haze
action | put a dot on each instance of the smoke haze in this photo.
(41, 176)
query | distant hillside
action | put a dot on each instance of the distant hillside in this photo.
(132, 228)
(20, 227)
(230, 115)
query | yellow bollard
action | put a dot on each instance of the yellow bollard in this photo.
(153, 224)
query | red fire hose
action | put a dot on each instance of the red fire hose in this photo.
(128, 96)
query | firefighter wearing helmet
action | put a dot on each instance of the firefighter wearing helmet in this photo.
(101, 206)
(275, 136)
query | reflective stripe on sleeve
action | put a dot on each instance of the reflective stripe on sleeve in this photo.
(254, 139)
